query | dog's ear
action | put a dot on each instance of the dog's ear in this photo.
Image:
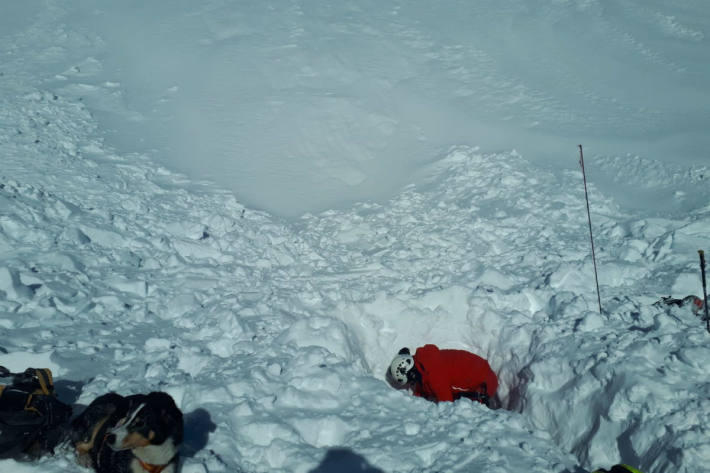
(132, 401)
(173, 416)
(168, 416)
(404, 351)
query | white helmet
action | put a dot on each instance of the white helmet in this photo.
(401, 366)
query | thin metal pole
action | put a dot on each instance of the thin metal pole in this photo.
(589, 218)
(705, 290)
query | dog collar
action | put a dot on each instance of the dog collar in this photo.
(152, 468)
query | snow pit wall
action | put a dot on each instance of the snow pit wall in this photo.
(598, 407)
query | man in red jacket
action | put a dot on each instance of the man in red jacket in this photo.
(444, 375)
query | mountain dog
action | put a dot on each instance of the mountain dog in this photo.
(133, 434)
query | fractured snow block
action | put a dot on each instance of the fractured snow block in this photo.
(221, 348)
(74, 235)
(157, 344)
(190, 250)
(324, 431)
(105, 237)
(192, 230)
(12, 287)
(63, 261)
(130, 286)
(491, 277)
(192, 363)
(590, 321)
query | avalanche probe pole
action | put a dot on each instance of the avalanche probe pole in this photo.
(705, 290)
(589, 218)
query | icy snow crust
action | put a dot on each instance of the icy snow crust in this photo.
(273, 337)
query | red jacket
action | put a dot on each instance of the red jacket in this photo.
(447, 374)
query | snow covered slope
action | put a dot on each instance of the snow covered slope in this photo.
(327, 104)
(274, 335)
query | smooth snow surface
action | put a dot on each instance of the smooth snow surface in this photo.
(326, 104)
(421, 156)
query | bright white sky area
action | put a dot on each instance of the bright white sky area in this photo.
(302, 106)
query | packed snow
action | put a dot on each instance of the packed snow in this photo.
(252, 207)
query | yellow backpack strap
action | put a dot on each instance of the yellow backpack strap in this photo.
(631, 469)
(4, 373)
(46, 383)
(619, 468)
(46, 388)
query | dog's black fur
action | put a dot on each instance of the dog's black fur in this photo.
(134, 434)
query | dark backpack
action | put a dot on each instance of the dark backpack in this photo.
(31, 417)
(620, 468)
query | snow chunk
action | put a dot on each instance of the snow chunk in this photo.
(491, 277)
(328, 333)
(131, 286)
(11, 285)
(325, 431)
(156, 344)
(192, 362)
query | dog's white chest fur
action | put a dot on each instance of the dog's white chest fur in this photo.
(157, 455)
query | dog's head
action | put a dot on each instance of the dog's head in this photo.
(150, 420)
